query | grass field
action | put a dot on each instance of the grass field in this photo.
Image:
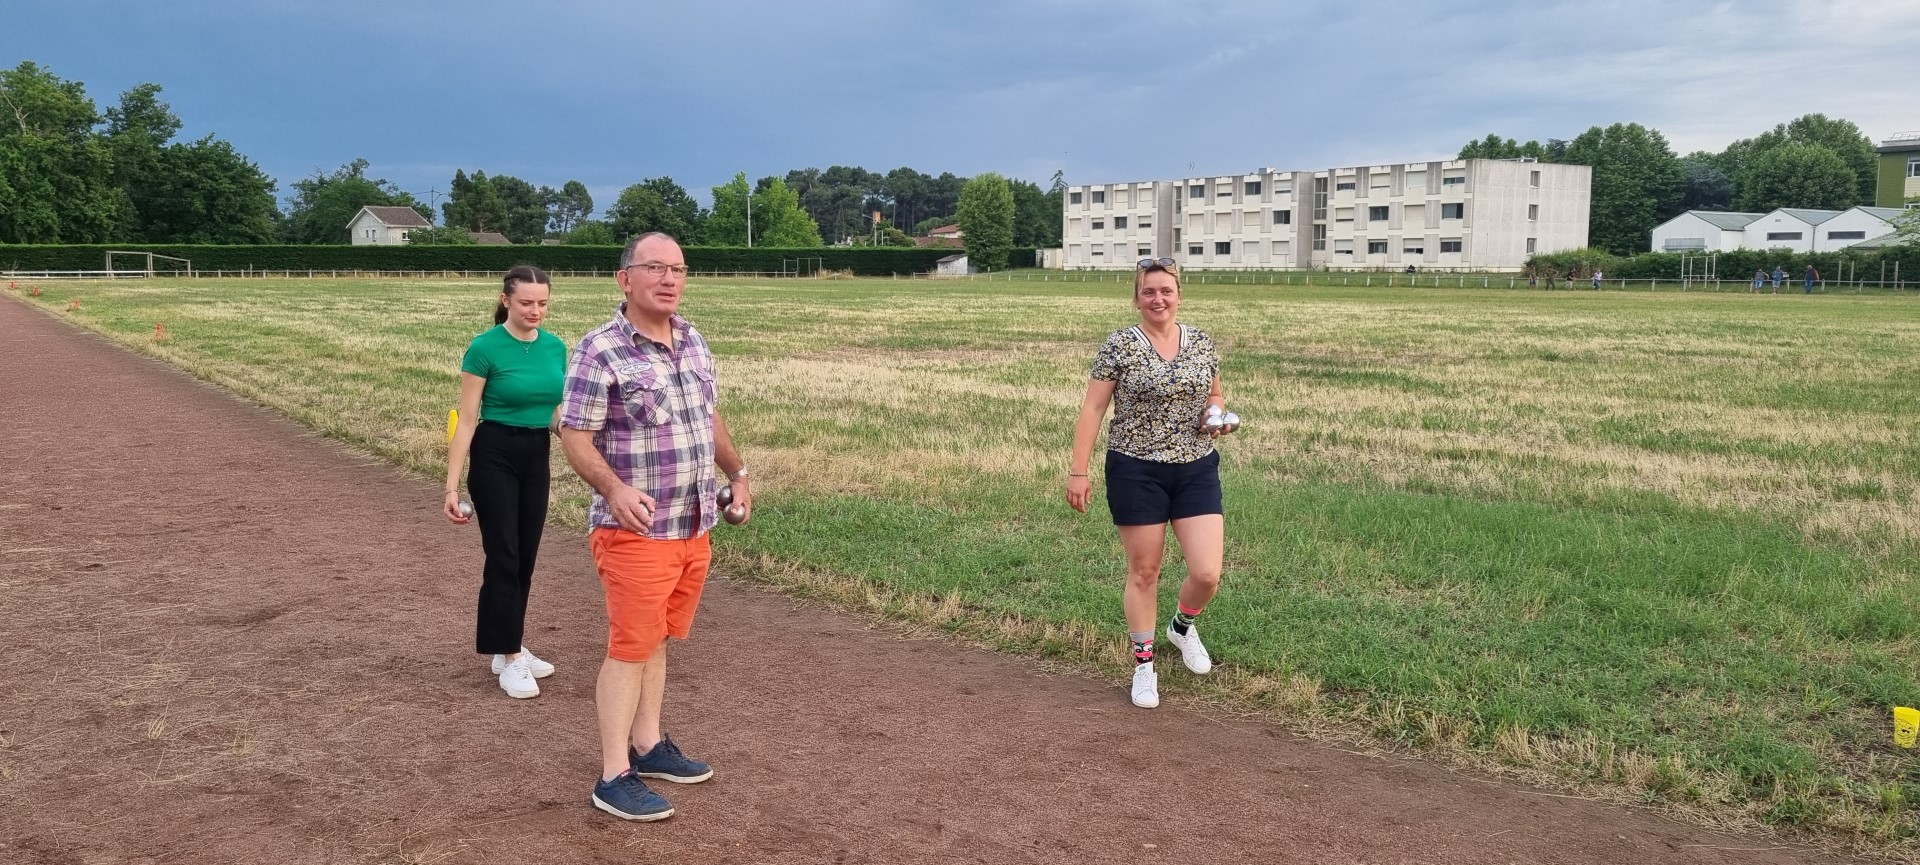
(1657, 545)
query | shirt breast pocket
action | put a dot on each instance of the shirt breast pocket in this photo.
(643, 393)
(709, 389)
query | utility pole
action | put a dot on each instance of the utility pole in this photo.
(749, 217)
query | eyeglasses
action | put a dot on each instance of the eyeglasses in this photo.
(659, 270)
(1158, 262)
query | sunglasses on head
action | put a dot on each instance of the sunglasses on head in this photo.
(1157, 262)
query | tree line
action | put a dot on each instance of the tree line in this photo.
(72, 173)
(1812, 161)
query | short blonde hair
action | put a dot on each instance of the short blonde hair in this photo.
(1140, 273)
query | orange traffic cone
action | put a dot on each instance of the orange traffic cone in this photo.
(73, 305)
(36, 291)
(159, 332)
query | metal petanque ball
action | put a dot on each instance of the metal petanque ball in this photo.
(735, 514)
(465, 509)
(1214, 419)
(725, 496)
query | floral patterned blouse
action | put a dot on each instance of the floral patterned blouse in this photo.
(1157, 403)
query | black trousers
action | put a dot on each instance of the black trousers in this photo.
(507, 477)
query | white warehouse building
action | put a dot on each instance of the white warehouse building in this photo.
(1792, 228)
(1471, 214)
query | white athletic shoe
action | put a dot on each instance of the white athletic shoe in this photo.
(516, 678)
(541, 669)
(1146, 686)
(1192, 652)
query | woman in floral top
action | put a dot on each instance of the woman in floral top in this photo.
(1161, 377)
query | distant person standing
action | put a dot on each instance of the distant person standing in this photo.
(510, 385)
(1573, 276)
(1779, 276)
(1812, 276)
(1597, 276)
(1533, 278)
(1759, 280)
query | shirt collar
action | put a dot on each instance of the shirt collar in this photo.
(633, 334)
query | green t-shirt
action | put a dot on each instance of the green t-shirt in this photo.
(524, 379)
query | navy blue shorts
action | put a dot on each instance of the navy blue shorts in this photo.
(1144, 493)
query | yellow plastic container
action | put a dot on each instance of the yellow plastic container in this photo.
(1906, 725)
(453, 420)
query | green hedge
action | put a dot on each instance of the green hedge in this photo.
(862, 260)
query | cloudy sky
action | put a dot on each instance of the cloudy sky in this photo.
(611, 92)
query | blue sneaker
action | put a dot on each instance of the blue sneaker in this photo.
(667, 763)
(628, 798)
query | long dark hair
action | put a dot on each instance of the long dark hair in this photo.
(523, 273)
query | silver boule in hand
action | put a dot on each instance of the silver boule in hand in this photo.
(465, 509)
(1214, 420)
(1230, 421)
(735, 514)
(725, 496)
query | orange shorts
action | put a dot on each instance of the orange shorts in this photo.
(653, 587)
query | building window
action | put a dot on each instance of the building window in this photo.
(1343, 185)
(1196, 191)
(1534, 179)
(1282, 247)
(1846, 235)
(1253, 187)
(1195, 250)
(1283, 217)
(1533, 213)
(1226, 191)
(1220, 247)
(1376, 247)
(1145, 224)
(1344, 214)
(1449, 246)
(1073, 198)
(1144, 251)
(1097, 252)
(1119, 222)
(1376, 214)
(1343, 247)
(1100, 197)
(1530, 244)
(1453, 181)
(1413, 250)
(1099, 225)
(1771, 235)
(1455, 210)
(1913, 166)
(1319, 237)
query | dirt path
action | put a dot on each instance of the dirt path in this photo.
(230, 641)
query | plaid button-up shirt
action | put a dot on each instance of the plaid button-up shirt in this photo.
(651, 409)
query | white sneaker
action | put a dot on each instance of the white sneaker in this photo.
(1192, 652)
(541, 669)
(1146, 686)
(517, 679)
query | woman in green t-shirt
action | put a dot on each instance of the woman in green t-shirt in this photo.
(510, 383)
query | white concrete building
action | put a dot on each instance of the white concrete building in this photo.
(385, 226)
(1703, 231)
(1794, 228)
(1476, 214)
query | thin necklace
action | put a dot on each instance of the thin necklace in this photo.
(526, 345)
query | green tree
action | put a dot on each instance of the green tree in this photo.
(986, 221)
(656, 204)
(443, 236)
(1495, 147)
(1637, 184)
(474, 204)
(571, 207)
(779, 220)
(1906, 226)
(1707, 187)
(1797, 174)
(56, 175)
(1036, 216)
(323, 204)
(591, 232)
(726, 224)
(1842, 137)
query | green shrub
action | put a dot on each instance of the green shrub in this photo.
(863, 261)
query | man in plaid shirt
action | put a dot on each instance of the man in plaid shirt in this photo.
(641, 424)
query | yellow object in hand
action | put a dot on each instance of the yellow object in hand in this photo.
(453, 420)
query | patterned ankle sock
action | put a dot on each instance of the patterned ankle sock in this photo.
(1142, 647)
(1184, 619)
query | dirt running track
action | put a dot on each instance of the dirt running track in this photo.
(230, 641)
